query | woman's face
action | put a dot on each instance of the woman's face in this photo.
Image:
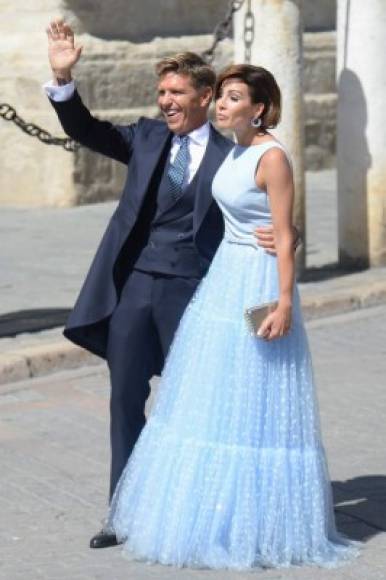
(234, 109)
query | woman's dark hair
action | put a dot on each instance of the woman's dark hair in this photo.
(262, 86)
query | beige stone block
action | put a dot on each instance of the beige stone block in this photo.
(319, 74)
(319, 62)
(142, 20)
(321, 107)
(33, 173)
(320, 130)
(319, 15)
(13, 367)
(43, 359)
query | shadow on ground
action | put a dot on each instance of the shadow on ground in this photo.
(326, 272)
(15, 323)
(361, 499)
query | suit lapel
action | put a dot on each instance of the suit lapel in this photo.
(215, 153)
(150, 153)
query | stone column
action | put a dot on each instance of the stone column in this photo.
(361, 139)
(278, 47)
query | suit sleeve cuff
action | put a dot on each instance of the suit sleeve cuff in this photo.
(59, 94)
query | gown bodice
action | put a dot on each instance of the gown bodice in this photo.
(243, 205)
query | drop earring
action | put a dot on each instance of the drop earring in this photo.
(256, 122)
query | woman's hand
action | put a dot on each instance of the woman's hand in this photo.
(277, 324)
(62, 52)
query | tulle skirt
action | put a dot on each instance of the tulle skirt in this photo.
(230, 470)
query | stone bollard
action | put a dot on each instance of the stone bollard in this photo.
(277, 46)
(361, 139)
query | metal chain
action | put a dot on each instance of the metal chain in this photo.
(222, 29)
(8, 113)
(249, 32)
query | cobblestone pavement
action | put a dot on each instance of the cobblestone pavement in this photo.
(45, 252)
(54, 464)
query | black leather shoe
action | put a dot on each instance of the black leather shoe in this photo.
(103, 539)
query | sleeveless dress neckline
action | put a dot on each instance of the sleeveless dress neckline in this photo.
(259, 144)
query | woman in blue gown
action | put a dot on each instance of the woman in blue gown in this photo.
(230, 470)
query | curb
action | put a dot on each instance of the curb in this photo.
(319, 299)
(40, 360)
(316, 303)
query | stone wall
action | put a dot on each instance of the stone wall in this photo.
(320, 99)
(30, 173)
(116, 81)
(143, 21)
(319, 15)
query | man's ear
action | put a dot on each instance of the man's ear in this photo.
(206, 96)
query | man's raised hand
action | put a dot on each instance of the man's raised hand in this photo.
(63, 54)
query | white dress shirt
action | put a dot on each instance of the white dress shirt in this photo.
(59, 93)
(198, 138)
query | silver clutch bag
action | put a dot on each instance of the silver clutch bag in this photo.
(255, 315)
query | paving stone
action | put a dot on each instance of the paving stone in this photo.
(54, 454)
(53, 279)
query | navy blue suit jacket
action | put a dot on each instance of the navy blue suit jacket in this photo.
(139, 146)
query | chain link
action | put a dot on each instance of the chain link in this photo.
(222, 29)
(8, 113)
(249, 32)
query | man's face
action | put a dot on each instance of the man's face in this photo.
(184, 107)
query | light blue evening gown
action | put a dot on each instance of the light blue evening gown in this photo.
(230, 470)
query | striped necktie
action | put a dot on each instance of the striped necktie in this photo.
(177, 169)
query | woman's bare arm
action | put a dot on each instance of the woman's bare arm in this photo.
(275, 172)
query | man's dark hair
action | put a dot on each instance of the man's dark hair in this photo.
(189, 64)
